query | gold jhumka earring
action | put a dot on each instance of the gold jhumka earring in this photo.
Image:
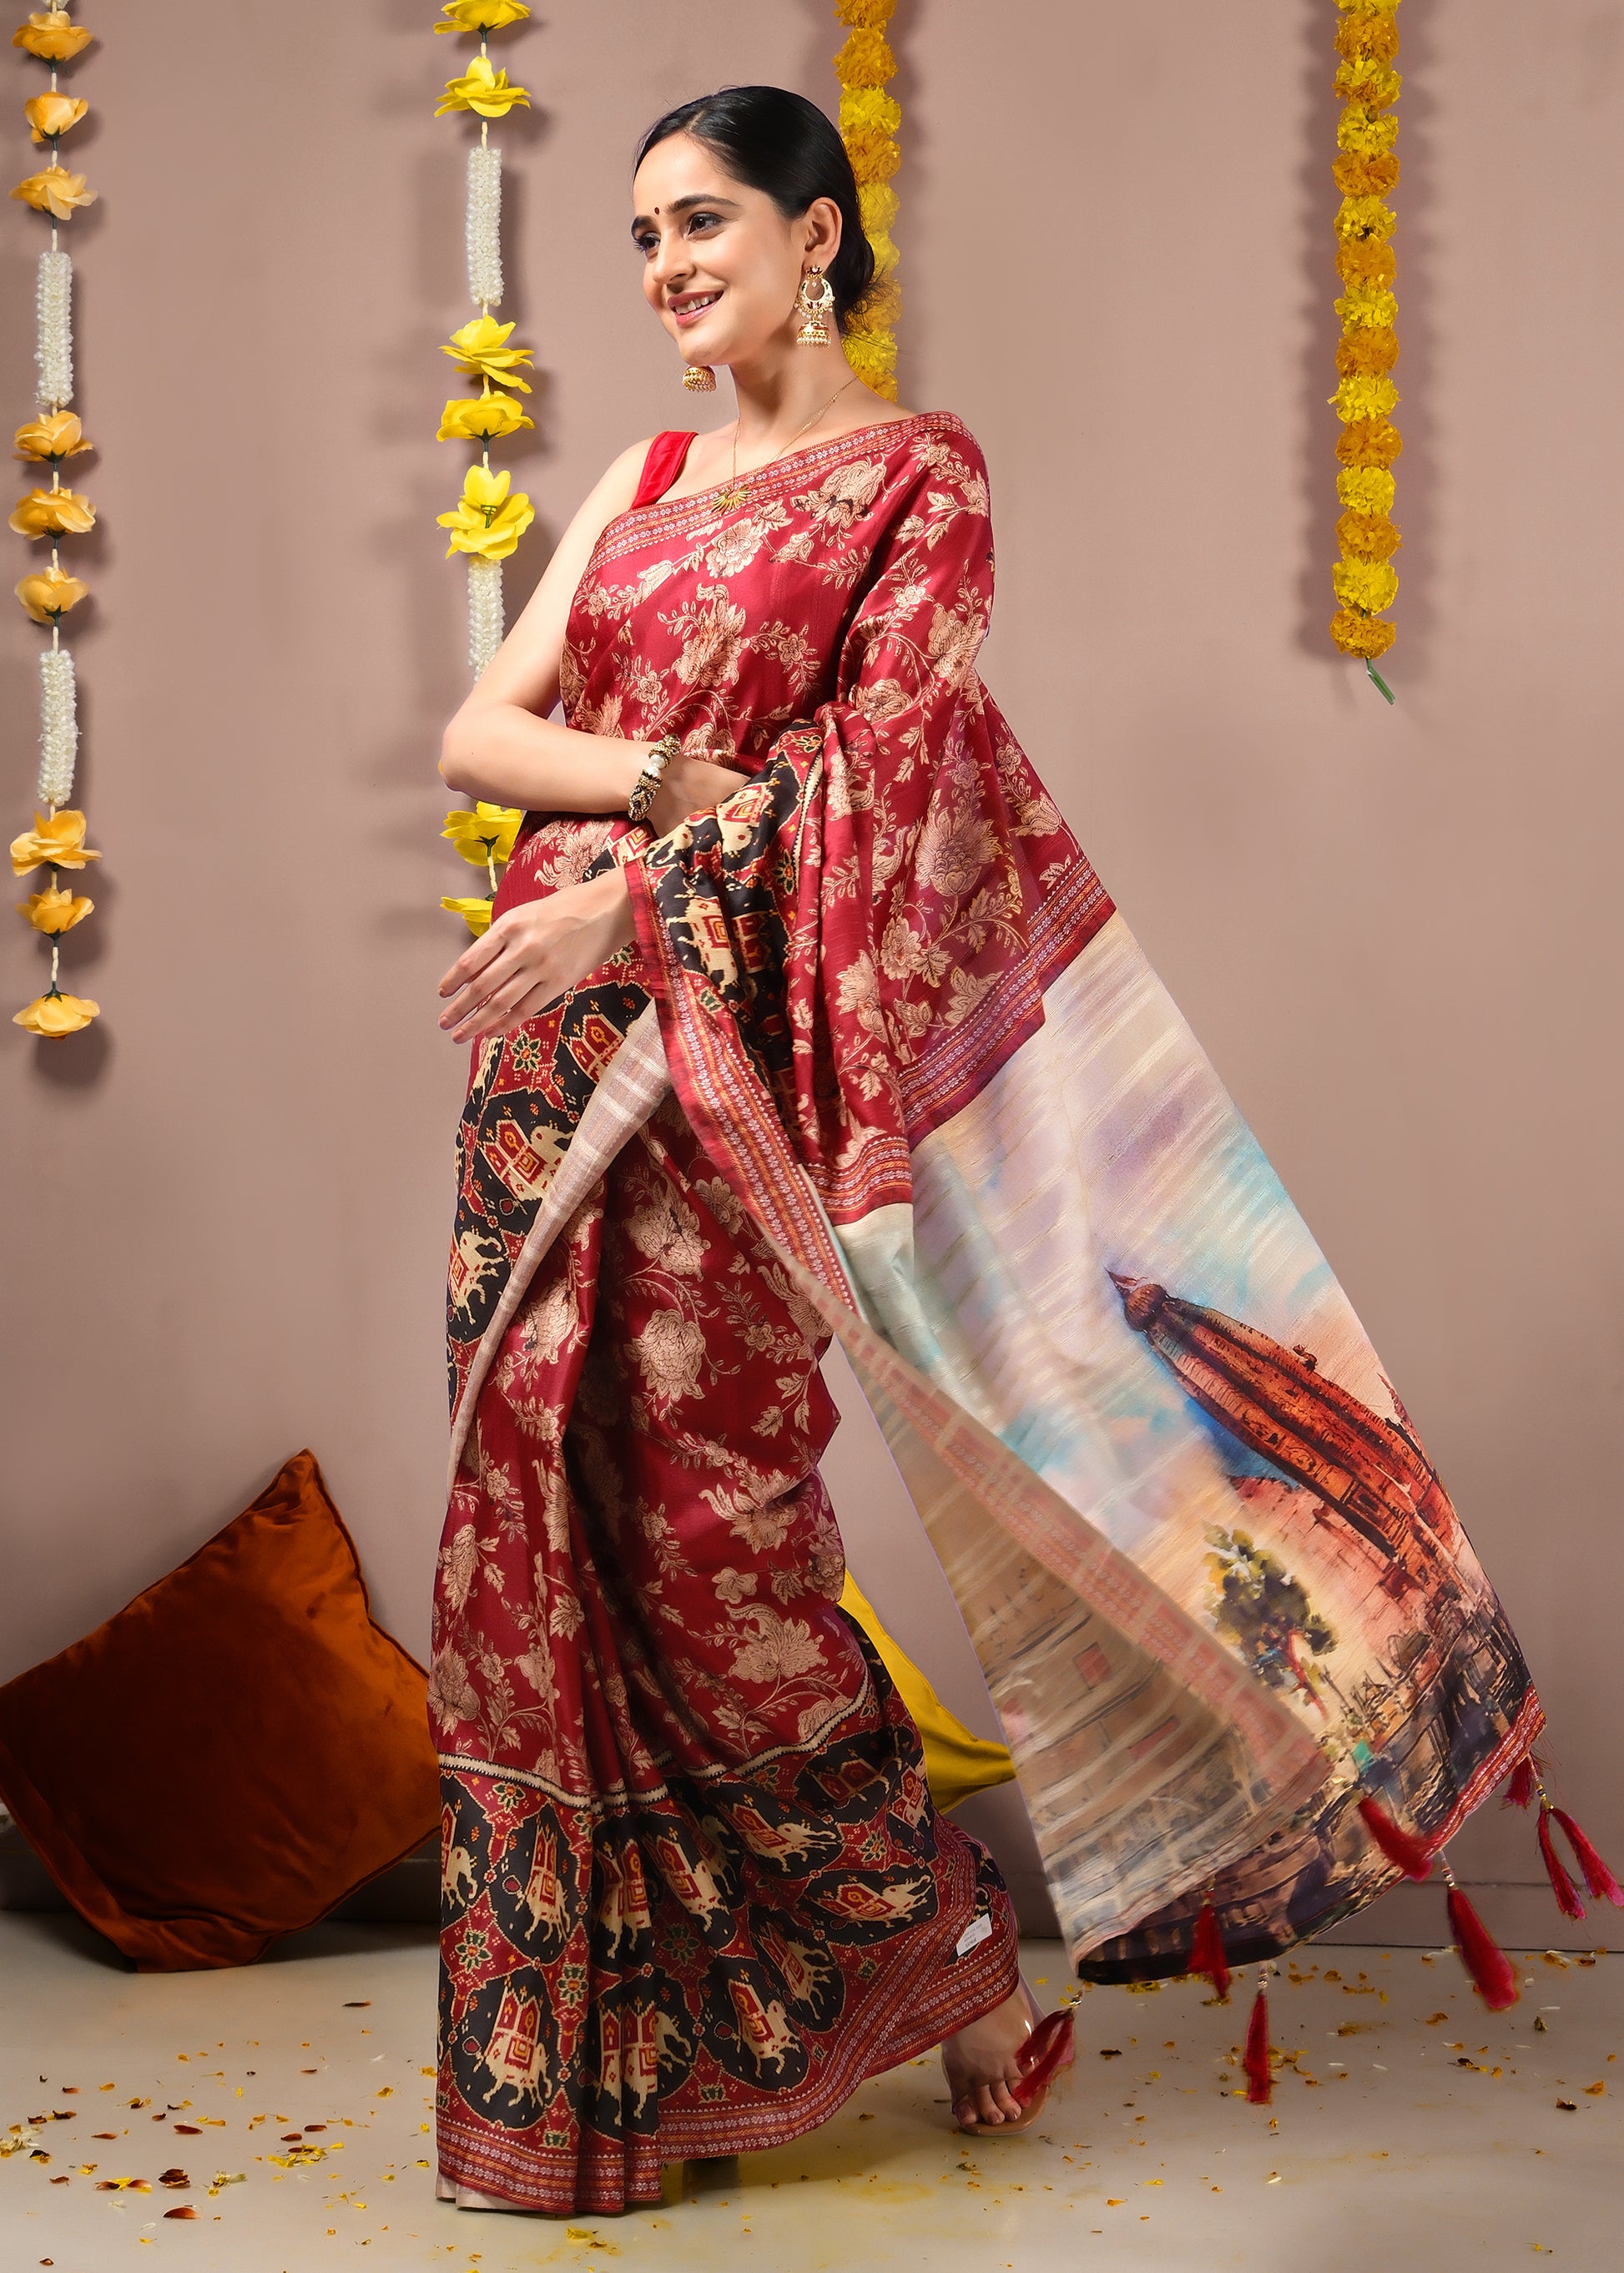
(816, 302)
(699, 378)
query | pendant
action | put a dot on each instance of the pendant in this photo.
(727, 500)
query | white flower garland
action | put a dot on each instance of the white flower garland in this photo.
(485, 226)
(482, 230)
(58, 727)
(53, 301)
(485, 613)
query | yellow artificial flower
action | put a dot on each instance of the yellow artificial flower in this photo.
(1366, 488)
(869, 109)
(875, 156)
(481, 15)
(1369, 304)
(1369, 7)
(876, 207)
(52, 34)
(1363, 130)
(865, 60)
(53, 1015)
(58, 843)
(1357, 177)
(55, 192)
(1363, 398)
(474, 914)
(1369, 442)
(484, 89)
(1367, 34)
(481, 418)
(1366, 217)
(52, 512)
(485, 520)
(51, 115)
(1358, 634)
(54, 912)
(58, 434)
(1368, 585)
(869, 14)
(482, 350)
(485, 835)
(1366, 350)
(1369, 80)
(1367, 535)
(50, 594)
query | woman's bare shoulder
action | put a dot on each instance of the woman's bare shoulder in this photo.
(617, 485)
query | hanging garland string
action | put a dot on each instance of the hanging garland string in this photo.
(56, 841)
(1366, 167)
(490, 517)
(869, 119)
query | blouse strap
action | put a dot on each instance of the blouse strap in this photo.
(661, 466)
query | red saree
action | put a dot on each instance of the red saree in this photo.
(885, 1063)
(695, 1888)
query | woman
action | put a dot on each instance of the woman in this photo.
(800, 1011)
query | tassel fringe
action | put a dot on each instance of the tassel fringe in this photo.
(1561, 1885)
(1597, 1878)
(1260, 2082)
(1520, 1790)
(1481, 1955)
(1396, 1844)
(1206, 1952)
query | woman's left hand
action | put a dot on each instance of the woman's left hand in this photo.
(531, 954)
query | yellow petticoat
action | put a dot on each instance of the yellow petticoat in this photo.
(956, 1763)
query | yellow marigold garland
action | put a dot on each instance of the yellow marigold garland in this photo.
(490, 517)
(870, 118)
(56, 841)
(1365, 169)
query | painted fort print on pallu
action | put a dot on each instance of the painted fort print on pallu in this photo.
(1105, 1267)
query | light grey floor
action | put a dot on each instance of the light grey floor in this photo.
(1409, 2130)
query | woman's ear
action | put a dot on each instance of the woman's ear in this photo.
(823, 227)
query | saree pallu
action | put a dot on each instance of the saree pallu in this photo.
(885, 1063)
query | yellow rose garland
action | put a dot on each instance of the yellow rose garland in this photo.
(1365, 169)
(56, 841)
(870, 118)
(490, 517)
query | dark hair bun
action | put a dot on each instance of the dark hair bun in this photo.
(785, 147)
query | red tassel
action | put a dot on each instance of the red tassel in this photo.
(1561, 1885)
(1520, 1790)
(1598, 1877)
(1481, 1955)
(1206, 1952)
(1397, 1845)
(1260, 2082)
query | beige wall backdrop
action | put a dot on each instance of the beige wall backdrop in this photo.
(1396, 931)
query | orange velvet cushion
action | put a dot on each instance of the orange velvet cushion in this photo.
(232, 1754)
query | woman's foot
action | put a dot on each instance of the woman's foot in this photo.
(999, 2067)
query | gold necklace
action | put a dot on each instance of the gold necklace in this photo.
(732, 495)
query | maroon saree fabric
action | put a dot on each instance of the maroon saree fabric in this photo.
(695, 1888)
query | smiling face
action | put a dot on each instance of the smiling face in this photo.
(721, 264)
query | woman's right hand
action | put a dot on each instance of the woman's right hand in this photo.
(690, 785)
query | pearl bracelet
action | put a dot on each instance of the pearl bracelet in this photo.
(650, 779)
